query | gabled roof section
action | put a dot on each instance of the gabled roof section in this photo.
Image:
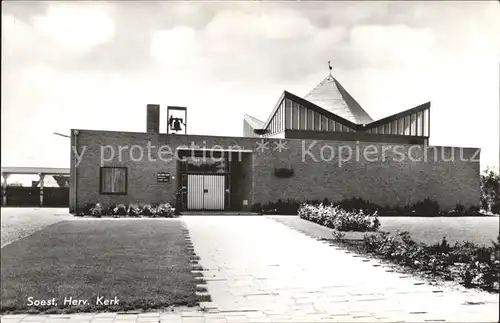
(308, 105)
(253, 122)
(282, 97)
(320, 110)
(333, 97)
(398, 115)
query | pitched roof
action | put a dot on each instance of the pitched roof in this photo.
(62, 180)
(48, 181)
(331, 96)
(253, 122)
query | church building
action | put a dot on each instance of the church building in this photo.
(321, 145)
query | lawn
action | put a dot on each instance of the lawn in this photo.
(144, 264)
(432, 229)
(428, 230)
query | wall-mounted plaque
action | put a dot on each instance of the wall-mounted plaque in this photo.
(163, 177)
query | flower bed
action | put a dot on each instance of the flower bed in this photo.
(162, 210)
(470, 264)
(339, 219)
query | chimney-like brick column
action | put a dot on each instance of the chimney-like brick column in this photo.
(153, 118)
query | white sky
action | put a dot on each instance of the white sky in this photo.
(95, 65)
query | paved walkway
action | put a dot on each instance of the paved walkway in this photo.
(259, 270)
(257, 264)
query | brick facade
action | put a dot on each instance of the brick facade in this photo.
(393, 180)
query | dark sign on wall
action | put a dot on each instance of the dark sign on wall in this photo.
(163, 177)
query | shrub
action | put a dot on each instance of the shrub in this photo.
(336, 218)
(133, 210)
(490, 191)
(256, 207)
(108, 211)
(288, 207)
(441, 247)
(356, 204)
(373, 242)
(148, 210)
(338, 235)
(87, 209)
(480, 274)
(401, 248)
(154, 210)
(426, 207)
(459, 209)
(96, 210)
(476, 266)
(473, 210)
(495, 208)
(165, 210)
(120, 210)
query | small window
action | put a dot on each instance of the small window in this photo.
(407, 121)
(401, 126)
(387, 128)
(302, 119)
(295, 116)
(317, 123)
(288, 114)
(310, 120)
(324, 123)
(394, 127)
(426, 123)
(331, 125)
(420, 124)
(413, 128)
(113, 180)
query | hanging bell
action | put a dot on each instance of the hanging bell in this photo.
(176, 125)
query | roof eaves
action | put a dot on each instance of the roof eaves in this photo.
(357, 111)
(282, 97)
(253, 122)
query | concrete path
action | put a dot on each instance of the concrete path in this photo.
(257, 264)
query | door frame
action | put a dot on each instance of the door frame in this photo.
(184, 172)
(230, 191)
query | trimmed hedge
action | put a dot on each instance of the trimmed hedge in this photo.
(337, 218)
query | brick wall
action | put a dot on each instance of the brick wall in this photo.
(386, 182)
(393, 180)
